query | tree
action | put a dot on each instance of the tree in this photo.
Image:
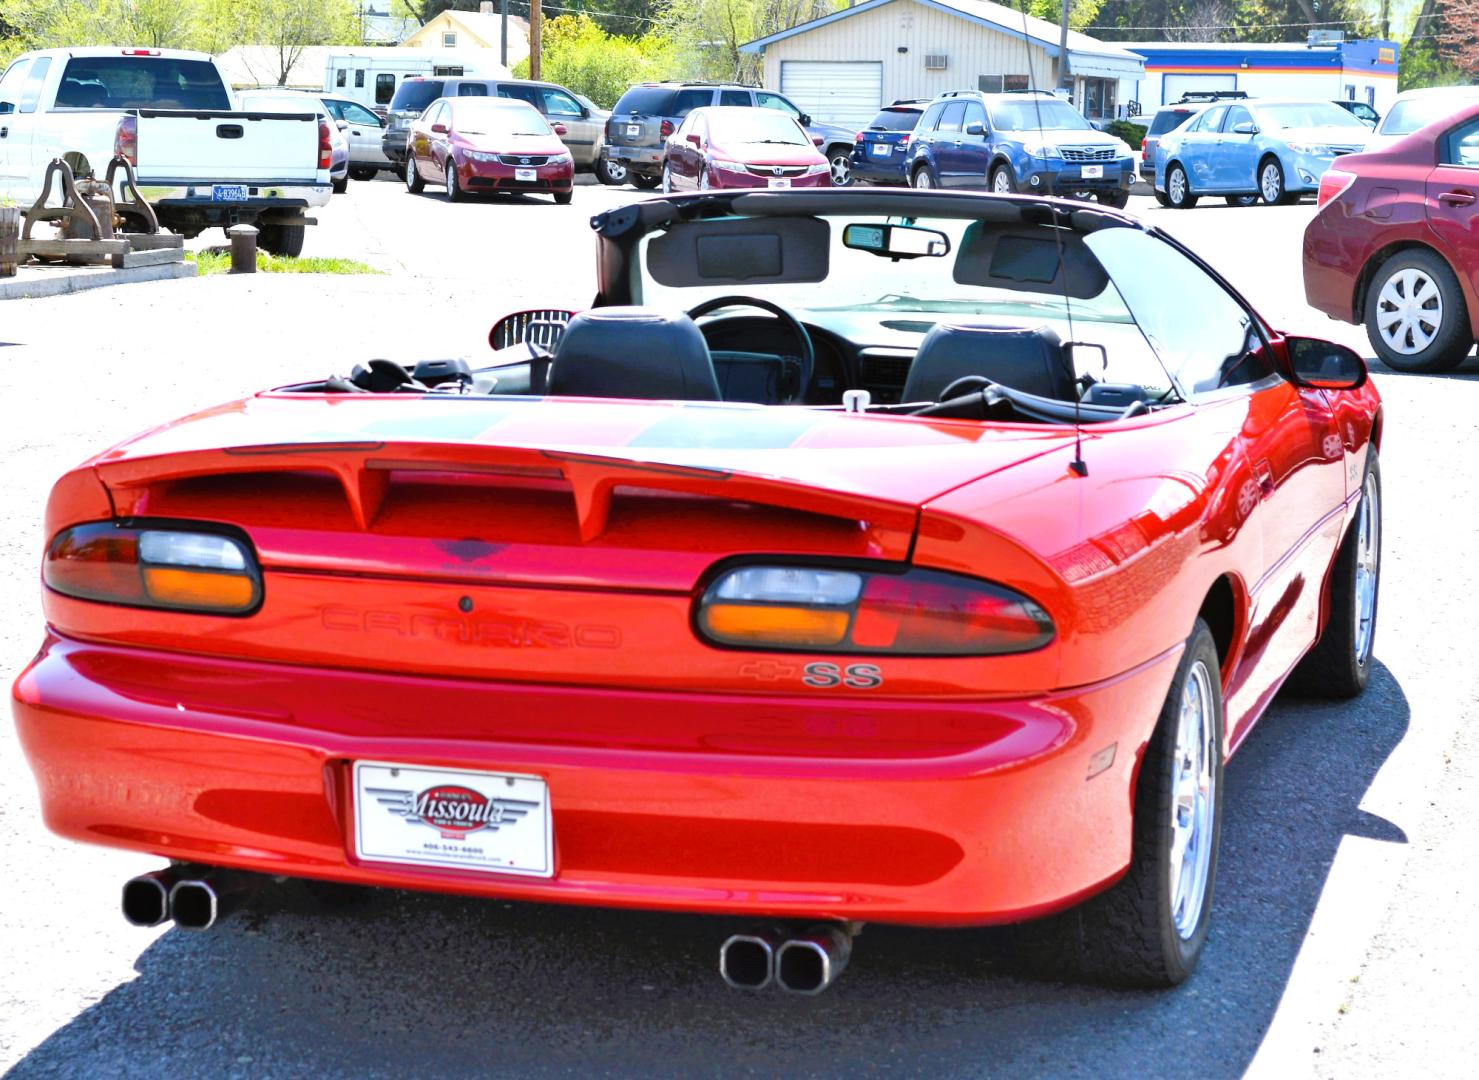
(710, 32)
(582, 56)
(289, 27)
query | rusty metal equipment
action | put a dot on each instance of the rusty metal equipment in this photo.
(90, 217)
(77, 214)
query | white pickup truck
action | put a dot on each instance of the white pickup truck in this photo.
(200, 162)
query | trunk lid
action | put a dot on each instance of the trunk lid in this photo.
(241, 146)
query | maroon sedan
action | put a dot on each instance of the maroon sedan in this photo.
(478, 144)
(1395, 244)
(738, 147)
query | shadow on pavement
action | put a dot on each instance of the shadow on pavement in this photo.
(412, 984)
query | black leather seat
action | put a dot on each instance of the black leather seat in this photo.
(633, 352)
(1032, 361)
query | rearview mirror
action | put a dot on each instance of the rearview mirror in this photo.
(1324, 365)
(1247, 127)
(439, 129)
(896, 241)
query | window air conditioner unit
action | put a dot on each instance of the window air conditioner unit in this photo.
(936, 62)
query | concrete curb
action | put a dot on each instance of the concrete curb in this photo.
(76, 279)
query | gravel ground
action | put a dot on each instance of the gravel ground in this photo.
(1343, 943)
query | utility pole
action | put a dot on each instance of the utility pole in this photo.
(536, 21)
(1065, 77)
(503, 25)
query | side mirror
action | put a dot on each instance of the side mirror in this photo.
(560, 129)
(438, 129)
(6, 107)
(975, 127)
(1324, 365)
(1245, 128)
(585, 114)
(817, 140)
(693, 138)
(342, 125)
(805, 120)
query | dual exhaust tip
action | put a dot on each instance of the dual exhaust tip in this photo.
(800, 963)
(195, 897)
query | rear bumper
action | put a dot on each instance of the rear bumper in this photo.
(948, 813)
(637, 158)
(261, 195)
(879, 170)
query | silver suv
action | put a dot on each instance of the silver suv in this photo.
(647, 114)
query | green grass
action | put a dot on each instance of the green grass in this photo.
(216, 261)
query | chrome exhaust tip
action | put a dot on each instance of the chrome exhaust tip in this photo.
(811, 962)
(146, 897)
(200, 901)
(747, 961)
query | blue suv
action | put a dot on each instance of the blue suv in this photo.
(1018, 142)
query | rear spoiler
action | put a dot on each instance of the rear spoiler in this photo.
(366, 469)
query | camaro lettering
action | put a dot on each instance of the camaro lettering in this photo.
(510, 632)
(855, 676)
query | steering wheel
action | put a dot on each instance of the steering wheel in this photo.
(808, 357)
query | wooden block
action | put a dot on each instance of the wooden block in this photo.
(148, 258)
(74, 248)
(154, 241)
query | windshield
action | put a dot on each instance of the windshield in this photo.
(1418, 112)
(1037, 113)
(756, 126)
(486, 117)
(902, 299)
(1306, 114)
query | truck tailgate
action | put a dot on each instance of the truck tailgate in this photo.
(241, 146)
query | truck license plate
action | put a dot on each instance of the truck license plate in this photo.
(529, 175)
(494, 822)
(1093, 172)
(228, 193)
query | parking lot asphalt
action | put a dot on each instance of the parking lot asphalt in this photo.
(1343, 940)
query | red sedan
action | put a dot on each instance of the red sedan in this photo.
(735, 147)
(1395, 245)
(757, 615)
(488, 145)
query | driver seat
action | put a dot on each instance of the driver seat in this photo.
(633, 352)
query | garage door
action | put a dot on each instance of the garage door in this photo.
(840, 92)
(1174, 86)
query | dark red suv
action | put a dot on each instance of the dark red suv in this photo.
(1395, 244)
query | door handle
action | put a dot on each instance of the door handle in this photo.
(4, 132)
(1457, 198)
(957, 142)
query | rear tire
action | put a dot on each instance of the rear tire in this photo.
(341, 187)
(1429, 337)
(1241, 200)
(414, 184)
(922, 180)
(286, 240)
(645, 183)
(839, 159)
(1160, 197)
(363, 173)
(1178, 189)
(1339, 666)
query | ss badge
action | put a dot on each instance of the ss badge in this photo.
(854, 676)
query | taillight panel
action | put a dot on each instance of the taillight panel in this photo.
(175, 566)
(866, 609)
(325, 146)
(1333, 184)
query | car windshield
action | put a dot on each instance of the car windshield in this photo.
(756, 126)
(1305, 114)
(1037, 114)
(486, 117)
(1418, 112)
(981, 279)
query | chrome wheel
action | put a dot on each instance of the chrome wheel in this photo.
(1001, 183)
(841, 170)
(922, 180)
(1271, 183)
(667, 180)
(703, 177)
(1194, 801)
(1409, 311)
(1176, 187)
(616, 172)
(1368, 565)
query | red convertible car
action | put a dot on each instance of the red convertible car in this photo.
(859, 555)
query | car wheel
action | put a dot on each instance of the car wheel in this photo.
(282, 239)
(1160, 197)
(1271, 183)
(454, 188)
(1416, 319)
(363, 173)
(1001, 181)
(667, 179)
(1117, 199)
(341, 186)
(1178, 190)
(1149, 928)
(1339, 666)
(703, 177)
(414, 184)
(1241, 200)
(563, 198)
(610, 172)
(840, 159)
(922, 178)
(646, 183)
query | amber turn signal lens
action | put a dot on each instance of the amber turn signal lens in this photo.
(198, 588)
(178, 569)
(774, 624)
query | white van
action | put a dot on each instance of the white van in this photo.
(370, 74)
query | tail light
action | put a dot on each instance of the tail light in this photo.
(904, 138)
(325, 146)
(1144, 143)
(858, 138)
(177, 568)
(666, 129)
(816, 609)
(126, 140)
(1333, 185)
(606, 129)
(141, 52)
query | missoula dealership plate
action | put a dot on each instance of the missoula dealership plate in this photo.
(494, 822)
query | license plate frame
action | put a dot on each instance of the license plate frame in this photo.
(526, 176)
(882, 150)
(229, 193)
(478, 820)
(1093, 172)
(779, 182)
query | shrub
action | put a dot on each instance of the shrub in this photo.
(580, 55)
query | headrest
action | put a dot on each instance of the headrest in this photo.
(1032, 361)
(633, 352)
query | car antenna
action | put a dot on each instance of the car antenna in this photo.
(1077, 466)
